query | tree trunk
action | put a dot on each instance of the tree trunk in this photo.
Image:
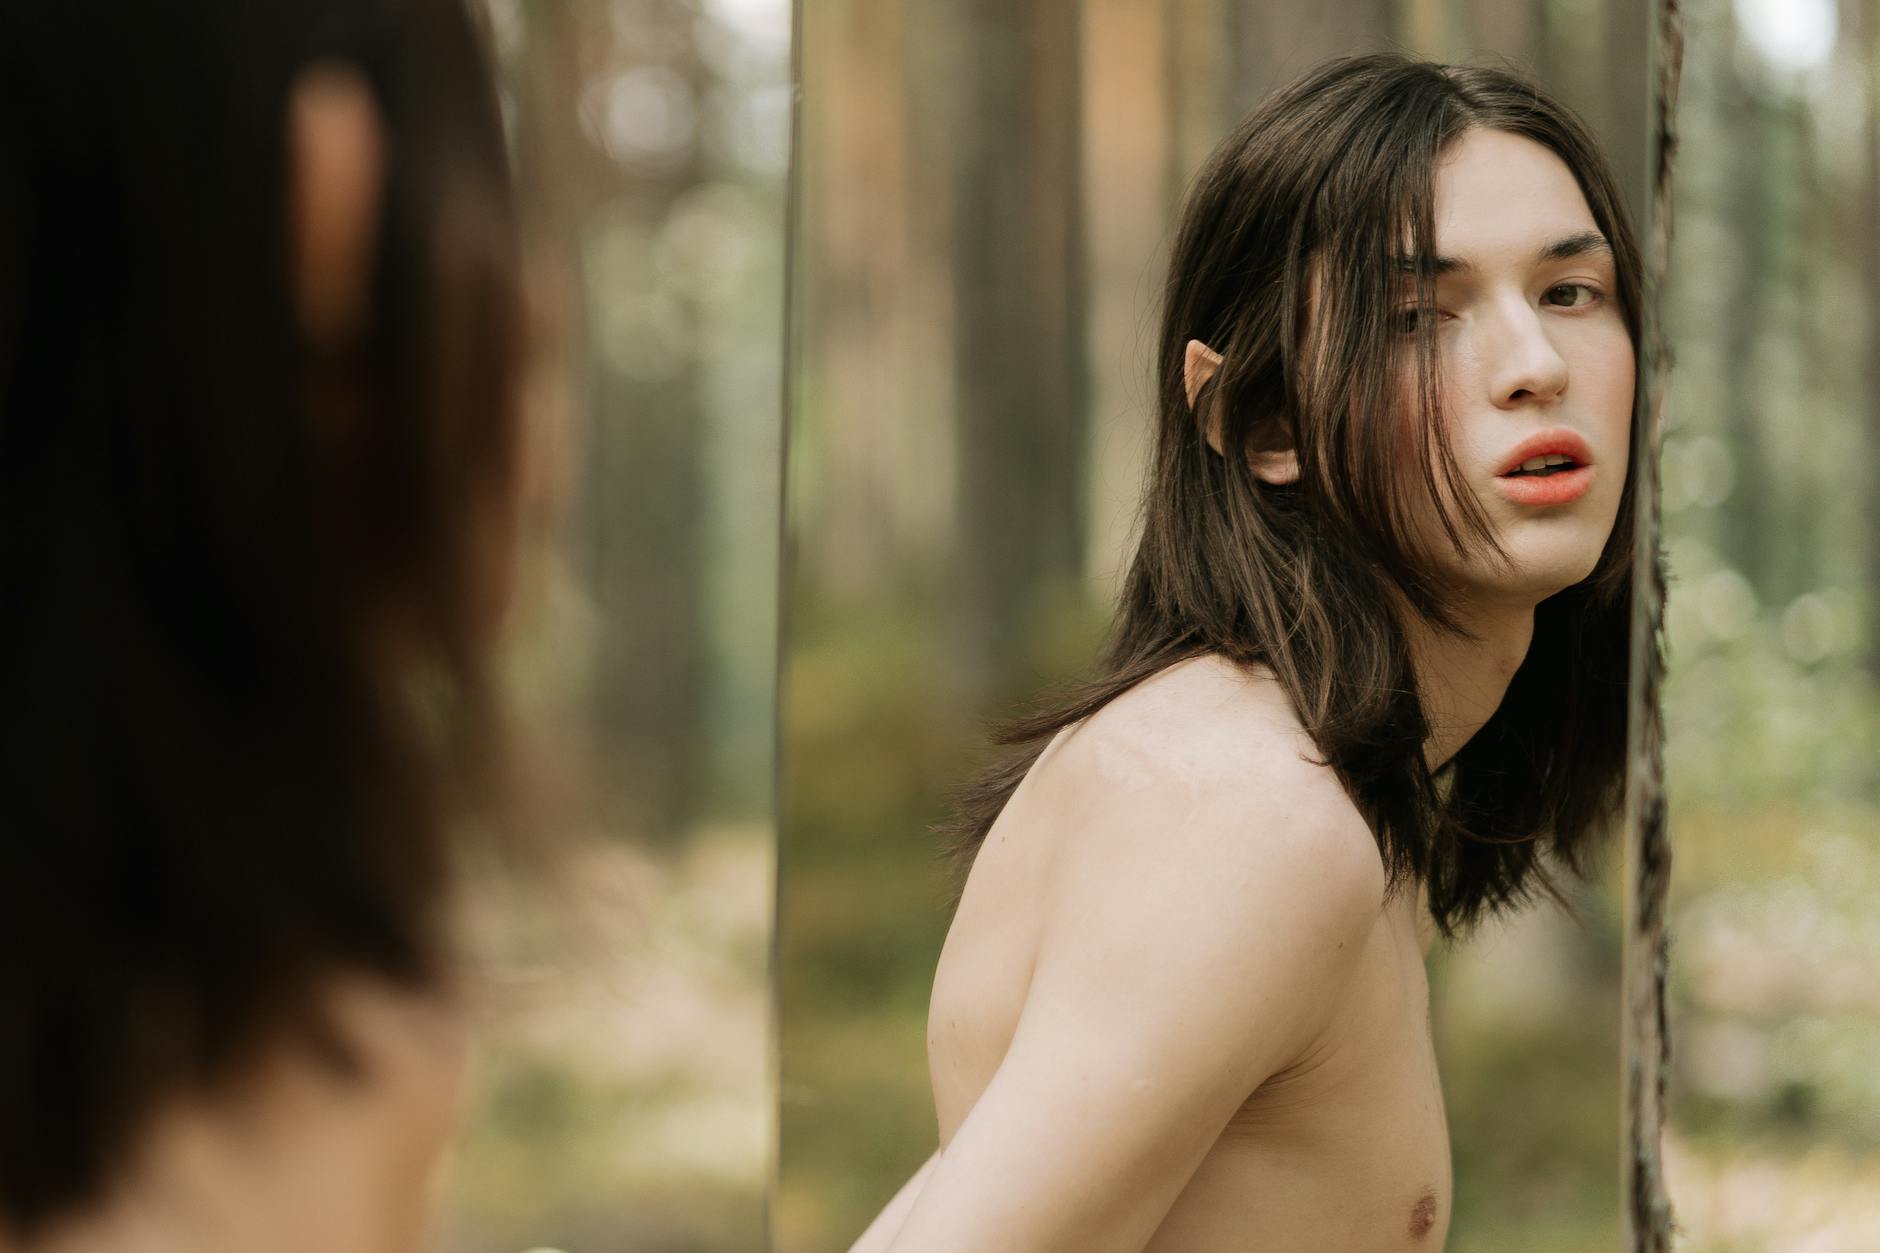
(638, 527)
(1277, 41)
(1503, 30)
(1746, 518)
(1019, 301)
(1646, 1051)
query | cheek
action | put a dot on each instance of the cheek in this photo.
(1616, 415)
(1606, 377)
(1420, 435)
(1448, 385)
(1456, 421)
(1414, 436)
(1606, 374)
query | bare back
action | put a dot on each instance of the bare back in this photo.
(1345, 1147)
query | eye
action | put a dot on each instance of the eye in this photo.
(1572, 295)
(1407, 318)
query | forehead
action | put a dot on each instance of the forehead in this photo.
(1499, 193)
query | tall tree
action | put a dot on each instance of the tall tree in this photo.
(1513, 31)
(638, 528)
(1623, 113)
(1019, 288)
(1746, 521)
(1276, 41)
(1645, 1046)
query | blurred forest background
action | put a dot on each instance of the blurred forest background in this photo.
(987, 192)
(623, 1101)
(1772, 441)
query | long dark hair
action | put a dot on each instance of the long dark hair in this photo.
(224, 779)
(1326, 180)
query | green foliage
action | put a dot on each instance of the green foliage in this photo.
(870, 754)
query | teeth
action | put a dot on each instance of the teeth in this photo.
(1534, 463)
(1557, 459)
(1541, 463)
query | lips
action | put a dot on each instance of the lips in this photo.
(1553, 489)
(1556, 439)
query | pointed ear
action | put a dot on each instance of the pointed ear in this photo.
(1198, 368)
(1277, 468)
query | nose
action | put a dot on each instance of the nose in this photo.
(1524, 365)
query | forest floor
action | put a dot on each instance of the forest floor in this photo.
(621, 1100)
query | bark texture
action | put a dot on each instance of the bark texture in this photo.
(1647, 837)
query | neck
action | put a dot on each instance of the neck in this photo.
(1462, 680)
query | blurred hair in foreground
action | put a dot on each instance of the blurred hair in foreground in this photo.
(254, 576)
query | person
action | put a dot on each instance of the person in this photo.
(261, 342)
(1367, 684)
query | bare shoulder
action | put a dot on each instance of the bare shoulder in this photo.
(1209, 759)
(1201, 726)
(1196, 833)
(1202, 892)
(1197, 846)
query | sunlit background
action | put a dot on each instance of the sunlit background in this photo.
(1771, 446)
(622, 1097)
(987, 191)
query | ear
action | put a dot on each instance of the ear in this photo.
(336, 177)
(1277, 468)
(1199, 366)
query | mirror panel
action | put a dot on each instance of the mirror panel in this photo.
(985, 198)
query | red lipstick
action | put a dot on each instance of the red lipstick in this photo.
(1556, 488)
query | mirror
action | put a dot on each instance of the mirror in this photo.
(987, 196)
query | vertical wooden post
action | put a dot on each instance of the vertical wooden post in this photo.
(1646, 1059)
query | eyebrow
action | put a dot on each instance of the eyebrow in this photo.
(1578, 244)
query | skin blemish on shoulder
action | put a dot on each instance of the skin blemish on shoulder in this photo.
(1423, 1215)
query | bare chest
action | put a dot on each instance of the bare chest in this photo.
(1347, 1151)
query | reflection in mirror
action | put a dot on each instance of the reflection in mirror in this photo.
(1773, 700)
(622, 1099)
(988, 199)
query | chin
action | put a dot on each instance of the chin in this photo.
(1539, 571)
(1555, 572)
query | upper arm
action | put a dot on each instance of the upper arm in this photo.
(1189, 948)
(881, 1233)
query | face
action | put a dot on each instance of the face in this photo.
(1535, 362)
